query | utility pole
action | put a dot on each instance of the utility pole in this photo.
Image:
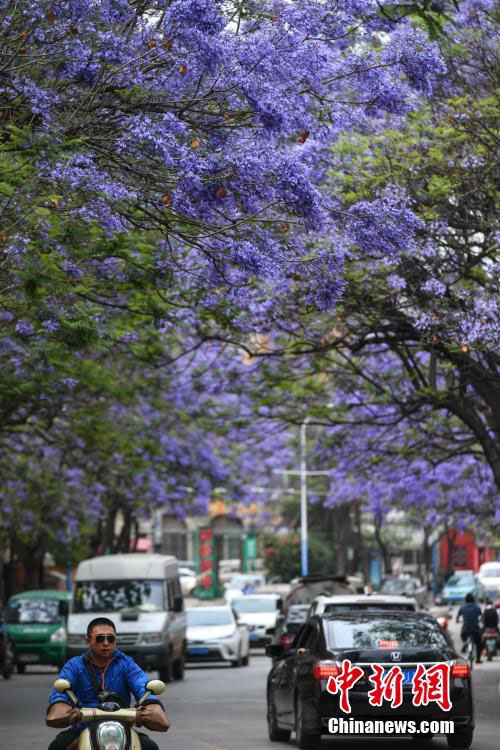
(303, 500)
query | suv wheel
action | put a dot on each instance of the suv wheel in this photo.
(461, 739)
(178, 668)
(165, 670)
(304, 738)
(275, 733)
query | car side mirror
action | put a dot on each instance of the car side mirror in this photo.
(274, 651)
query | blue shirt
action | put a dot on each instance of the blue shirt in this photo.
(122, 676)
(470, 615)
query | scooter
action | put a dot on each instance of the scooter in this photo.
(490, 641)
(111, 724)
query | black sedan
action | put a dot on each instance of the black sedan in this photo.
(297, 695)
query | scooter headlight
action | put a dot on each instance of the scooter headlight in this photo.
(110, 736)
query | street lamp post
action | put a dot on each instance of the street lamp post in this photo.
(303, 500)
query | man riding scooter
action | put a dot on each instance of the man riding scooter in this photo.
(103, 668)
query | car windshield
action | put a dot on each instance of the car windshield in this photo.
(116, 596)
(297, 615)
(254, 605)
(329, 608)
(491, 573)
(460, 581)
(29, 611)
(396, 587)
(384, 633)
(208, 617)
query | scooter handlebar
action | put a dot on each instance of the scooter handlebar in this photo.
(95, 714)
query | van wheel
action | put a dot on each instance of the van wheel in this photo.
(165, 670)
(178, 668)
(246, 660)
(21, 668)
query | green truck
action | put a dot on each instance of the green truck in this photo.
(36, 623)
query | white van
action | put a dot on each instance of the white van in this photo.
(142, 595)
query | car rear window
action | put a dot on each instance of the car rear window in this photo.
(330, 608)
(254, 605)
(384, 633)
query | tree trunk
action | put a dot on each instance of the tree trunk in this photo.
(384, 549)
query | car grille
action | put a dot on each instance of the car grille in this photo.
(126, 640)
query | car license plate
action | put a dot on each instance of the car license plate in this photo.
(198, 650)
(29, 658)
(254, 637)
(408, 675)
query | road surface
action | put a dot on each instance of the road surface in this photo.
(221, 708)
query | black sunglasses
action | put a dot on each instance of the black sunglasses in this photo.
(101, 638)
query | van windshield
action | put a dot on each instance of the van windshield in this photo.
(118, 596)
(30, 611)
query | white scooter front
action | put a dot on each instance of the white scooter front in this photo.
(108, 729)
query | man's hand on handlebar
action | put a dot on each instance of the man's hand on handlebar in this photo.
(61, 715)
(153, 717)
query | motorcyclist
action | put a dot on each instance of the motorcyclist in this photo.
(115, 672)
(490, 617)
(471, 616)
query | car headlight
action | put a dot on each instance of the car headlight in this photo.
(110, 736)
(224, 637)
(151, 638)
(58, 636)
(76, 639)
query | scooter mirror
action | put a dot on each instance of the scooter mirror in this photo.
(156, 687)
(62, 685)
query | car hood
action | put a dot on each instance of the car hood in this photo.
(458, 589)
(268, 619)
(146, 622)
(35, 633)
(209, 632)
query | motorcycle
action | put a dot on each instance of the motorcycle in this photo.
(111, 724)
(490, 642)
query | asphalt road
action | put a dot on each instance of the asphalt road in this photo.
(221, 708)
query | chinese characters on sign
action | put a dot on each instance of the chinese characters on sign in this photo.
(428, 685)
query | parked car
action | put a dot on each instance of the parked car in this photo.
(489, 577)
(335, 604)
(459, 585)
(259, 613)
(216, 634)
(287, 626)
(36, 623)
(142, 594)
(297, 698)
(408, 586)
